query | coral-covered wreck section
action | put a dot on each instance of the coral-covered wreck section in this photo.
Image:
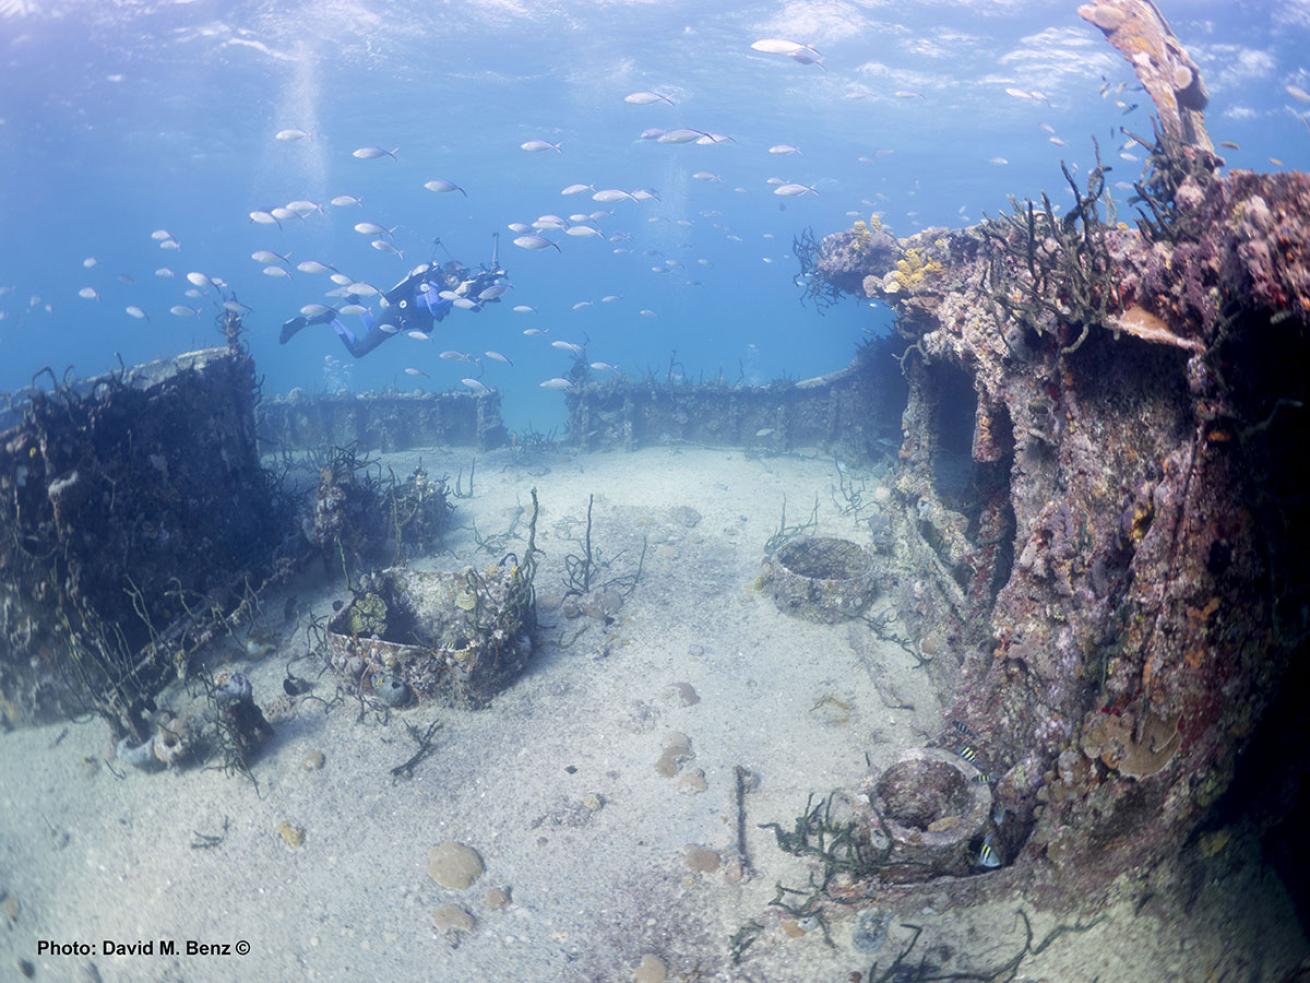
(110, 489)
(1099, 471)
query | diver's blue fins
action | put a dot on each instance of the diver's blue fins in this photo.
(367, 317)
(343, 331)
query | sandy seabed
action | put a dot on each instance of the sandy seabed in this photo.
(555, 785)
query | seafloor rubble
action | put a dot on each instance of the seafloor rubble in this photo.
(1102, 535)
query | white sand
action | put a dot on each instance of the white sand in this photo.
(89, 857)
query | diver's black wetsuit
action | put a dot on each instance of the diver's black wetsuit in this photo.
(414, 304)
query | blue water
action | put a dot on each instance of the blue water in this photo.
(120, 118)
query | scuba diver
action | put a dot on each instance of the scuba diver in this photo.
(417, 302)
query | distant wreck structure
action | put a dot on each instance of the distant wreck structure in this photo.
(388, 421)
(1104, 530)
(853, 411)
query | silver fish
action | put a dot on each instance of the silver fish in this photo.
(388, 328)
(312, 266)
(267, 256)
(524, 309)
(646, 313)
(199, 279)
(340, 279)
(346, 201)
(440, 185)
(290, 135)
(160, 234)
(604, 367)
(282, 214)
(706, 176)
(276, 271)
(170, 244)
(493, 291)
(577, 189)
(612, 194)
(353, 309)
(792, 190)
(498, 357)
(418, 335)
(303, 207)
(784, 149)
(136, 312)
(261, 217)
(556, 383)
(567, 346)
(780, 46)
(537, 146)
(582, 305)
(362, 289)
(181, 310)
(456, 356)
(610, 298)
(373, 153)
(652, 133)
(581, 231)
(533, 332)
(373, 229)
(476, 386)
(417, 372)
(535, 243)
(164, 273)
(645, 98)
(314, 310)
(518, 228)
(383, 246)
(680, 135)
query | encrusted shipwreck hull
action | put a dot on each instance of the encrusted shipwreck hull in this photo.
(110, 489)
(1103, 511)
